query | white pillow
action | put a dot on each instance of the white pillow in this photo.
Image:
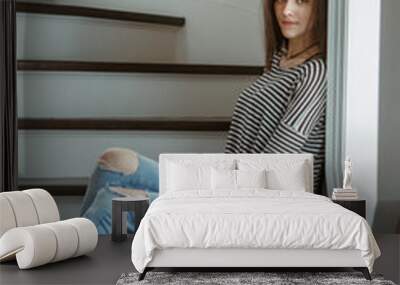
(251, 178)
(282, 174)
(225, 179)
(208, 162)
(288, 179)
(189, 174)
(181, 177)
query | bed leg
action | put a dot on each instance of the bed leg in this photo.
(142, 275)
(364, 271)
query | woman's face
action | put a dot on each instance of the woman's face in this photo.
(295, 17)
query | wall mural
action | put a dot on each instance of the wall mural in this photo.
(283, 111)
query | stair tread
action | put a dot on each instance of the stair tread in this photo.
(150, 123)
(137, 67)
(83, 11)
(74, 186)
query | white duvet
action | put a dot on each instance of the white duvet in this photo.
(251, 218)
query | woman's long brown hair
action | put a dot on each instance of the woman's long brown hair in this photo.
(274, 37)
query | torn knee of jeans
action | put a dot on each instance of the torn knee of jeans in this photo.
(119, 159)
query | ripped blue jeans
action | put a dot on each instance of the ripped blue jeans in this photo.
(108, 181)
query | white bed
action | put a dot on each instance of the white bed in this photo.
(249, 227)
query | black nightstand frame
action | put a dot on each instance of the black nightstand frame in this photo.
(357, 206)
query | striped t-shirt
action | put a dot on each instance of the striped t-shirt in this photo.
(283, 111)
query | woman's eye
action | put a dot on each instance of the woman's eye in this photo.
(299, 2)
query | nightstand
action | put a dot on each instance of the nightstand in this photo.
(357, 206)
(120, 207)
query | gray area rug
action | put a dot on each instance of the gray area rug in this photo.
(229, 278)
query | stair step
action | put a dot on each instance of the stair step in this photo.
(67, 10)
(87, 66)
(143, 124)
(56, 186)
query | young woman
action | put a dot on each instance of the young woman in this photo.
(282, 112)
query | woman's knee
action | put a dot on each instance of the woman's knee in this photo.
(119, 159)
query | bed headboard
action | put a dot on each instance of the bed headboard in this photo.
(165, 157)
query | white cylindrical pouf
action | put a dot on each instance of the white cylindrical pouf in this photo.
(34, 246)
(23, 208)
(67, 240)
(45, 205)
(7, 218)
(87, 234)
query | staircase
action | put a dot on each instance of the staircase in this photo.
(76, 186)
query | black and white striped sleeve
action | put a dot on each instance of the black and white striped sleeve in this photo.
(306, 107)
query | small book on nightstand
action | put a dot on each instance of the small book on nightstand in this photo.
(344, 194)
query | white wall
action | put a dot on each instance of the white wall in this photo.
(362, 103)
(216, 32)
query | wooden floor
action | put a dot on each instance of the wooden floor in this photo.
(110, 260)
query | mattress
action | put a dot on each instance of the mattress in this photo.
(250, 219)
